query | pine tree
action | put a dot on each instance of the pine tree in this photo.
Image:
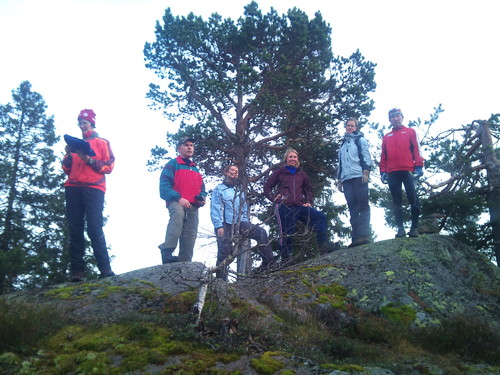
(32, 237)
(249, 89)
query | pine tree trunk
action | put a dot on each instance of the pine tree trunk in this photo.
(493, 176)
(244, 265)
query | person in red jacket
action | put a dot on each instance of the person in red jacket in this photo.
(84, 193)
(183, 189)
(400, 158)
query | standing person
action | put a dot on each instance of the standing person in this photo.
(228, 211)
(182, 188)
(84, 193)
(355, 164)
(290, 191)
(400, 157)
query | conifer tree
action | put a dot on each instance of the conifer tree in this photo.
(248, 89)
(32, 234)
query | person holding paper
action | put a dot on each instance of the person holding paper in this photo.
(84, 193)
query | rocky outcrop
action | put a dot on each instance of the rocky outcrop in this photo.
(290, 319)
(435, 276)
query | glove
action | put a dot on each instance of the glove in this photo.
(366, 176)
(200, 201)
(383, 177)
(68, 149)
(418, 172)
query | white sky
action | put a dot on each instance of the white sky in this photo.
(89, 54)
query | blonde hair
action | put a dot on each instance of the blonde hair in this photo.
(288, 152)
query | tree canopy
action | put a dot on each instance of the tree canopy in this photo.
(32, 237)
(248, 89)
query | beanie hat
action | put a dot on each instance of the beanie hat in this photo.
(394, 112)
(87, 114)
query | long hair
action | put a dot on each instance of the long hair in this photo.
(287, 152)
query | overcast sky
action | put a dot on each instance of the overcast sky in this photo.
(89, 54)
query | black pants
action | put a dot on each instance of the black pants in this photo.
(83, 203)
(396, 180)
(356, 195)
(287, 225)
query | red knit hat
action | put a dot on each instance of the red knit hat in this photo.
(87, 114)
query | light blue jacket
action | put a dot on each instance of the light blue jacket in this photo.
(225, 206)
(349, 157)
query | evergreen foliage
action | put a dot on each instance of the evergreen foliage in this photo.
(248, 89)
(32, 237)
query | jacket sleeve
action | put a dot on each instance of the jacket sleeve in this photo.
(244, 210)
(339, 169)
(415, 149)
(269, 185)
(383, 157)
(167, 191)
(67, 164)
(365, 152)
(105, 163)
(203, 192)
(216, 208)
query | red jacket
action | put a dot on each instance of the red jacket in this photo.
(181, 179)
(400, 151)
(82, 174)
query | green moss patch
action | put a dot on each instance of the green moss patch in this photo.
(268, 363)
(397, 313)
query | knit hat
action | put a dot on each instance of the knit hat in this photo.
(87, 114)
(394, 112)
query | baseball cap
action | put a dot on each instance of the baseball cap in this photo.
(184, 140)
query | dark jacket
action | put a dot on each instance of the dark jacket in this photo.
(295, 188)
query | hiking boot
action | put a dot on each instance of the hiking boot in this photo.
(328, 247)
(108, 273)
(360, 241)
(77, 276)
(167, 257)
(413, 232)
(401, 233)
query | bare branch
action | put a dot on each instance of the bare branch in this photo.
(455, 178)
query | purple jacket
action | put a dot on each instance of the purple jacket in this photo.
(295, 188)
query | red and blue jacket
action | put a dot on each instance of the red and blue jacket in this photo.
(82, 174)
(400, 151)
(181, 178)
